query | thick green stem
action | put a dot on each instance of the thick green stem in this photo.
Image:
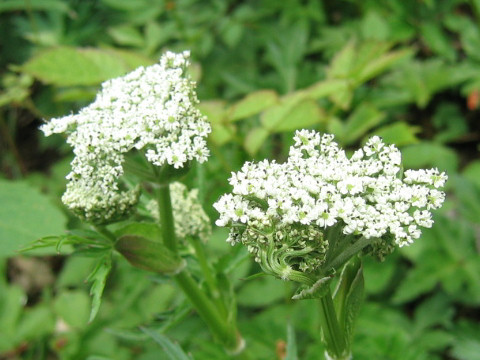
(332, 333)
(208, 274)
(166, 217)
(205, 307)
(207, 310)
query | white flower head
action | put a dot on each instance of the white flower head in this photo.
(189, 217)
(151, 109)
(294, 207)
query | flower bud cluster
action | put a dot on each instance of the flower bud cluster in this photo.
(151, 109)
(189, 217)
(318, 189)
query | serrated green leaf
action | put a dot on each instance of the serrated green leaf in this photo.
(98, 278)
(252, 104)
(66, 66)
(25, 215)
(172, 350)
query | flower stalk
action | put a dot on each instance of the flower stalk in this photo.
(224, 331)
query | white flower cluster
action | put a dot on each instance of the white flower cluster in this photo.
(320, 188)
(151, 109)
(189, 217)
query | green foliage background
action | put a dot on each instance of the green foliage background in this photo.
(407, 70)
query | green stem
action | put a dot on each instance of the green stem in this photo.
(166, 217)
(208, 274)
(207, 310)
(347, 253)
(205, 307)
(332, 333)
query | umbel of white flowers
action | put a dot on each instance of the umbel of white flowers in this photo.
(151, 109)
(290, 212)
(188, 214)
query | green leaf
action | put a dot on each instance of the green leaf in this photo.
(437, 40)
(147, 230)
(316, 291)
(399, 133)
(327, 88)
(381, 63)
(35, 322)
(126, 35)
(472, 172)
(364, 118)
(98, 278)
(374, 26)
(252, 104)
(25, 215)
(342, 62)
(292, 352)
(73, 307)
(18, 5)
(427, 154)
(173, 351)
(149, 255)
(348, 296)
(255, 139)
(467, 344)
(272, 290)
(304, 114)
(66, 66)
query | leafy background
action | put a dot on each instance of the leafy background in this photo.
(407, 70)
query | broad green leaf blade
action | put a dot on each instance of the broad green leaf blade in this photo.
(343, 62)
(252, 104)
(381, 64)
(25, 215)
(98, 278)
(364, 118)
(66, 66)
(292, 352)
(304, 114)
(399, 133)
(327, 88)
(427, 154)
(149, 255)
(255, 139)
(73, 307)
(173, 351)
